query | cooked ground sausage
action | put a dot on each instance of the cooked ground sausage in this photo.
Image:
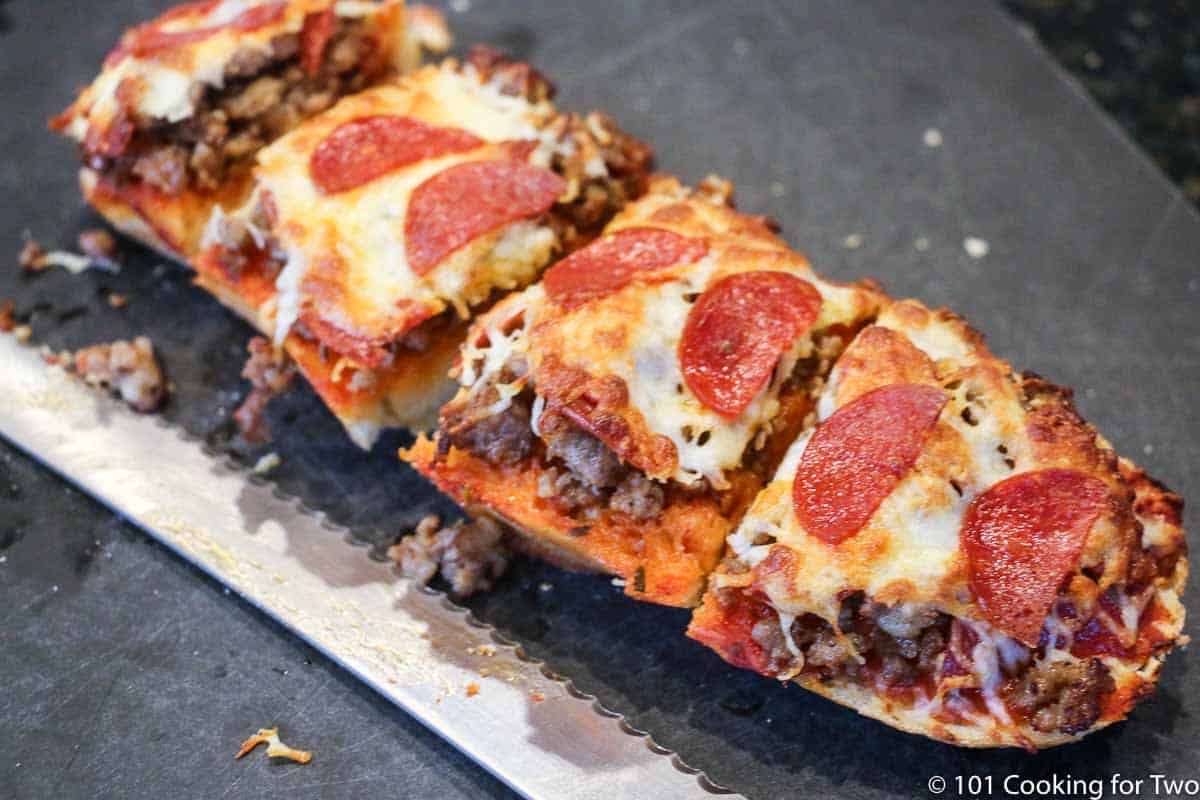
(1062, 695)
(266, 93)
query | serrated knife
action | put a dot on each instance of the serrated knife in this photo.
(532, 729)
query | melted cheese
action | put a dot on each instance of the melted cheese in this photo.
(363, 229)
(652, 321)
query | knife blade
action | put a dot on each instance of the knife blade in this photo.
(531, 728)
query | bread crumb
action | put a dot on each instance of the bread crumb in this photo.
(275, 748)
(976, 247)
(482, 650)
(932, 137)
(22, 333)
(853, 241)
(472, 689)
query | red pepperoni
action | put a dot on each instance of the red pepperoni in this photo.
(858, 456)
(359, 151)
(736, 332)
(1021, 538)
(150, 38)
(461, 203)
(314, 36)
(610, 264)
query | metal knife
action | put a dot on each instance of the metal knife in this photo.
(531, 728)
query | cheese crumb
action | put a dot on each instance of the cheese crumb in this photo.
(921, 244)
(853, 241)
(537, 697)
(932, 137)
(976, 247)
(472, 689)
(267, 463)
(275, 748)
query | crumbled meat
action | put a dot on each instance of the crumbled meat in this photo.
(251, 60)
(605, 168)
(256, 98)
(566, 491)
(638, 496)
(912, 649)
(127, 368)
(269, 373)
(32, 257)
(1062, 695)
(587, 457)
(502, 438)
(98, 243)
(903, 621)
(471, 557)
(7, 321)
(265, 94)
(164, 168)
(514, 78)
(117, 300)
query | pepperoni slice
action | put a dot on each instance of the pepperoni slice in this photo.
(610, 264)
(461, 203)
(314, 36)
(859, 455)
(150, 38)
(1021, 538)
(736, 332)
(359, 151)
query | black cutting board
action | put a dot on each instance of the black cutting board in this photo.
(128, 674)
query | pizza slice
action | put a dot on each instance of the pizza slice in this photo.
(953, 551)
(623, 412)
(171, 126)
(378, 227)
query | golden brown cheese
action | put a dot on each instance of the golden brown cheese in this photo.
(345, 251)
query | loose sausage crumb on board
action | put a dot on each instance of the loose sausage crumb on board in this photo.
(471, 557)
(275, 748)
(270, 373)
(129, 369)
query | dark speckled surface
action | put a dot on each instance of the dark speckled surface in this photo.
(127, 674)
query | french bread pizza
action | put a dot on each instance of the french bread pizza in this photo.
(622, 412)
(377, 228)
(170, 127)
(953, 551)
(850, 493)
